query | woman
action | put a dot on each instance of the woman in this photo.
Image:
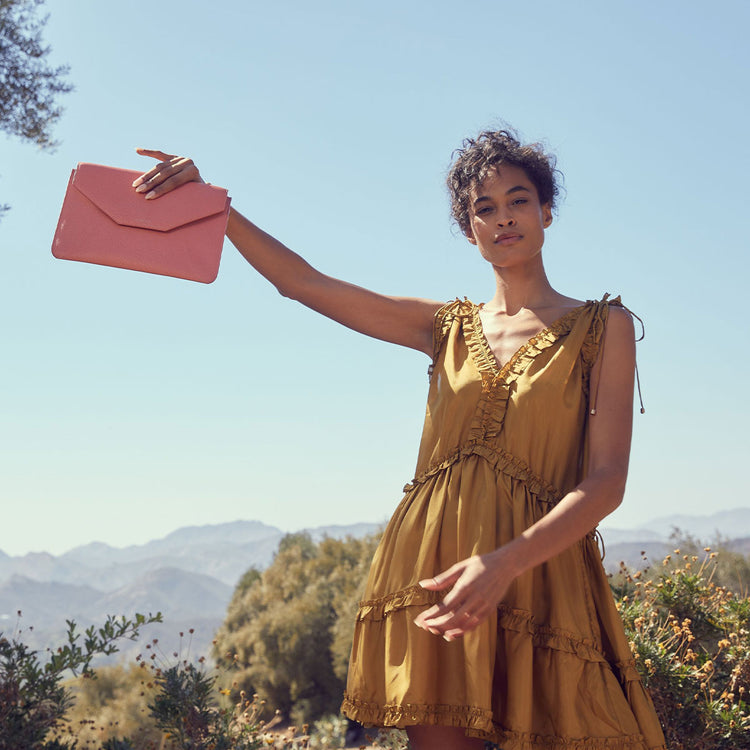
(487, 614)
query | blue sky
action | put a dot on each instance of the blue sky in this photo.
(135, 404)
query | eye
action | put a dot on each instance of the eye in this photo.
(519, 201)
(483, 210)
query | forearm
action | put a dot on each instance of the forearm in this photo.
(286, 270)
(400, 320)
(571, 519)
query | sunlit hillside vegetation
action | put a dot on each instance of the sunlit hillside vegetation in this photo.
(284, 645)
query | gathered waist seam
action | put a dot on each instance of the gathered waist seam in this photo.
(502, 462)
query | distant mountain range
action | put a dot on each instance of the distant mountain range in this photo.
(189, 575)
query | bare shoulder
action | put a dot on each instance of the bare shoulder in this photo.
(620, 326)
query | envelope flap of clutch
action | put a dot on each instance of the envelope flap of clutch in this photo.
(110, 190)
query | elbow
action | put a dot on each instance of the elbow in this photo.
(616, 492)
(304, 285)
(616, 500)
(285, 292)
(611, 488)
(289, 291)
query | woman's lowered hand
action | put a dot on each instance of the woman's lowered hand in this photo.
(479, 583)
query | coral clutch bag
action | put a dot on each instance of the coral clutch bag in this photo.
(103, 220)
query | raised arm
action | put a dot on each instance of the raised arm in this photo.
(401, 320)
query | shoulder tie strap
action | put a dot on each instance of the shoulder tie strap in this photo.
(616, 301)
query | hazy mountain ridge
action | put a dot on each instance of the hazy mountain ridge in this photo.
(732, 527)
(728, 524)
(188, 576)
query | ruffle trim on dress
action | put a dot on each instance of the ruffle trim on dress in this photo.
(509, 619)
(511, 370)
(592, 341)
(490, 414)
(442, 323)
(523, 741)
(477, 722)
(500, 461)
(496, 380)
(627, 672)
(413, 596)
(545, 636)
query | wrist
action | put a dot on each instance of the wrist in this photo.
(508, 560)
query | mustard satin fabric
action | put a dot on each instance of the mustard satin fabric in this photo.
(552, 668)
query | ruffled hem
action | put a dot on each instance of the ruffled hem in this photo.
(478, 723)
(500, 461)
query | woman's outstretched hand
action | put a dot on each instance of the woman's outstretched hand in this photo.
(479, 583)
(171, 172)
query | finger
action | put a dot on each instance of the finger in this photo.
(419, 620)
(458, 631)
(166, 177)
(435, 611)
(160, 173)
(448, 633)
(181, 178)
(453, 634)
(154, 154)
(163, 171)
(442, 580)
(161, 156)
(468, 616)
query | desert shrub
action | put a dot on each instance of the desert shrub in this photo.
(112, 707)
(731, 568)
(288, 630)
(33, 697)
(174, 705)
(691, 640)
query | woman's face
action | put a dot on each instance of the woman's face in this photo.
(507, 221)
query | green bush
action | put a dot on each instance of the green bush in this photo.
(112, 706)
(288, 630)
(33, 698)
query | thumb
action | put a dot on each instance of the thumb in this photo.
(442, 580)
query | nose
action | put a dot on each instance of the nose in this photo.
(505, 220)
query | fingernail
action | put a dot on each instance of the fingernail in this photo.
(150, 195)
(137, 181)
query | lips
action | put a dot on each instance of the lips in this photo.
(507, 239)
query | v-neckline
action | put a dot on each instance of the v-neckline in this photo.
(491, 361)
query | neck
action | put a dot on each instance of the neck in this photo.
(521, 287)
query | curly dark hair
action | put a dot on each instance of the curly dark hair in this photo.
(479, 156)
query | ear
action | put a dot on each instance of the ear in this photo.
(546, 215)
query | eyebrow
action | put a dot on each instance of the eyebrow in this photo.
(515, 189)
